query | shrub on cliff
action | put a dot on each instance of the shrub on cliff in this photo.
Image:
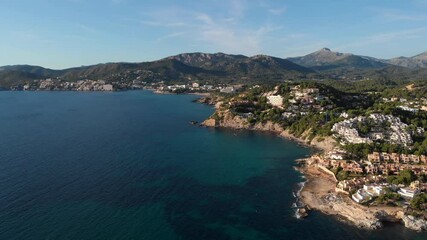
(405, 177)
(419, 202)
(389, 198)
(342, 175)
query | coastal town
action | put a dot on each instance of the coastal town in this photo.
(58, 84)
(374, 158)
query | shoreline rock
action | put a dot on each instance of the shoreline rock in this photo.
(414, 223)
(227, 120)
(302, 212)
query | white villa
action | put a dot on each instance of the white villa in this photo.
(374, 190)
(361, 196)
(275, 100)
(407, 192)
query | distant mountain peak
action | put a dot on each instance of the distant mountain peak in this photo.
(327, 52)
(325, 59)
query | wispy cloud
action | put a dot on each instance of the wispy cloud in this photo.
(87, 28)
(226, 37)
(407, 17)
(205, 19)
(398, 15)
(277, 11)
(238, 8)
(171, 35)
(29, 36)
(294, 37)
(387, 37)
(391, 36)
(163, 23)
(218, 31)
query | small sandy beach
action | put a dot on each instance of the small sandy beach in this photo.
(319, 194)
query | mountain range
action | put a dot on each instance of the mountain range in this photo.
(227, 68)
(418, 61)
(325, 59)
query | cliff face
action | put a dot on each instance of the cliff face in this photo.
(225, 119)
(268, 126)
(209, 122)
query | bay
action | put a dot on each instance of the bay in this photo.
(128, 165)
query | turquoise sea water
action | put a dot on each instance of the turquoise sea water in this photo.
(128, 165)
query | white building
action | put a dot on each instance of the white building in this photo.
(336, 154)
(361, 196)
(344, 115)
(107, 87)
(374, 190)
(275, 100)
(228, 90)
(287, 115)
(407, 192)
(409, 109)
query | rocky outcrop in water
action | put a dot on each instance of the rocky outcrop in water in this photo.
(206, 100)
(414, 223)
(302, 212)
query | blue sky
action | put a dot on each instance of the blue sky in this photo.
(68, 33)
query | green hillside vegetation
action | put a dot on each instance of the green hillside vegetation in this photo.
(11, 78)
(223, 68)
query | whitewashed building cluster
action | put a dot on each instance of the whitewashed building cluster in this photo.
(387, 127)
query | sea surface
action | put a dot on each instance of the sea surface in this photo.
(128, 165)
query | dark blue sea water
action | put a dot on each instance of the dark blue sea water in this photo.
(128, 165)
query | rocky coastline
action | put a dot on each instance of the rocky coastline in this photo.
(228, 120)
(318, 192)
